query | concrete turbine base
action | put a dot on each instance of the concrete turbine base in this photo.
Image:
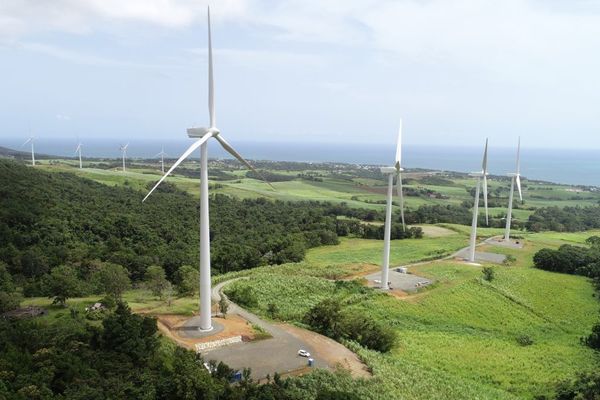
(191, 329)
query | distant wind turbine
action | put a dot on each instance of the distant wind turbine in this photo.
(30, 140)
(124, 154)
(162, 155)
(203, 135)
(396, 170)
(78, 151)
(516, 178)
(481, 181)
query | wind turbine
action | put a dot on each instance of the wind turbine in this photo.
(78, 151)
(30, 140)
(202, 135)
(162, 155)
(516, 177)
(396, 170)
(123, 153)
(481, 181)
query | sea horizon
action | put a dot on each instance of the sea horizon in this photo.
(566, 166)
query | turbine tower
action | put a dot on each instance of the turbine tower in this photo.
(396, 170)
(202, 135)
(162, 155)
(481, 181)
(78, 152)
(516, 177)
(124, 154)
(30, 140)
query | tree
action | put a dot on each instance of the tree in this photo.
(223, 306)
(326, 317)
(187, 280)
(9, 298)
(112, 279)
(62, 283)
(130, 334)
(156, 280)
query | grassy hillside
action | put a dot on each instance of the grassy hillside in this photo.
(462, 338)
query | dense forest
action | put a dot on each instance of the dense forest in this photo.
(567, 219)
(123, 358)
(53, 219)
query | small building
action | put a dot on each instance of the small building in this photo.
(96, 307)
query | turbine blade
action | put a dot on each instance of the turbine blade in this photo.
(519, 156)
(399, 147)
(185, 155)
(519, 187)
(211, 87)
(485, 199)
(401, 196)
(485, 157)
(234, 153)
(27, 141)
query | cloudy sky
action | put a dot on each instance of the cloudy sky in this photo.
(318, 70)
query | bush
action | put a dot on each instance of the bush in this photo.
(509, 260)
(593, 340)
(585, 386)
(524, 340)
(244, 296)
(328, 318)
(488, 273)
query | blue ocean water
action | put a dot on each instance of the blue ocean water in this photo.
(562, 166)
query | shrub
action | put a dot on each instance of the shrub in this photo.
(593, 340)
(509, 260)
(244, 296)
(488, 273)
(524, 340)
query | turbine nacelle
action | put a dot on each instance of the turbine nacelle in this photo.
(198, 133)
(388, 170)
(479, 174)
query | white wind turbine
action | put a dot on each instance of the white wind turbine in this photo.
(516, 178)
(162, 155)
(481, 181)
(30, 140)
(123, 154)
(396, 170)
(203, 135)
(78, 152)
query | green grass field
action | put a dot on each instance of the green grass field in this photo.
(461, 336)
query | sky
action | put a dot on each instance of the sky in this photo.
(346, 71)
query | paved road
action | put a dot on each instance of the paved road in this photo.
(277, 354)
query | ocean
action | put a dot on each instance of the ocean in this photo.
(575, 167)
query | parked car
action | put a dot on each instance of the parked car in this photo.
(303, 353)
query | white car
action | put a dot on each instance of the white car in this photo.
(303, 353)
